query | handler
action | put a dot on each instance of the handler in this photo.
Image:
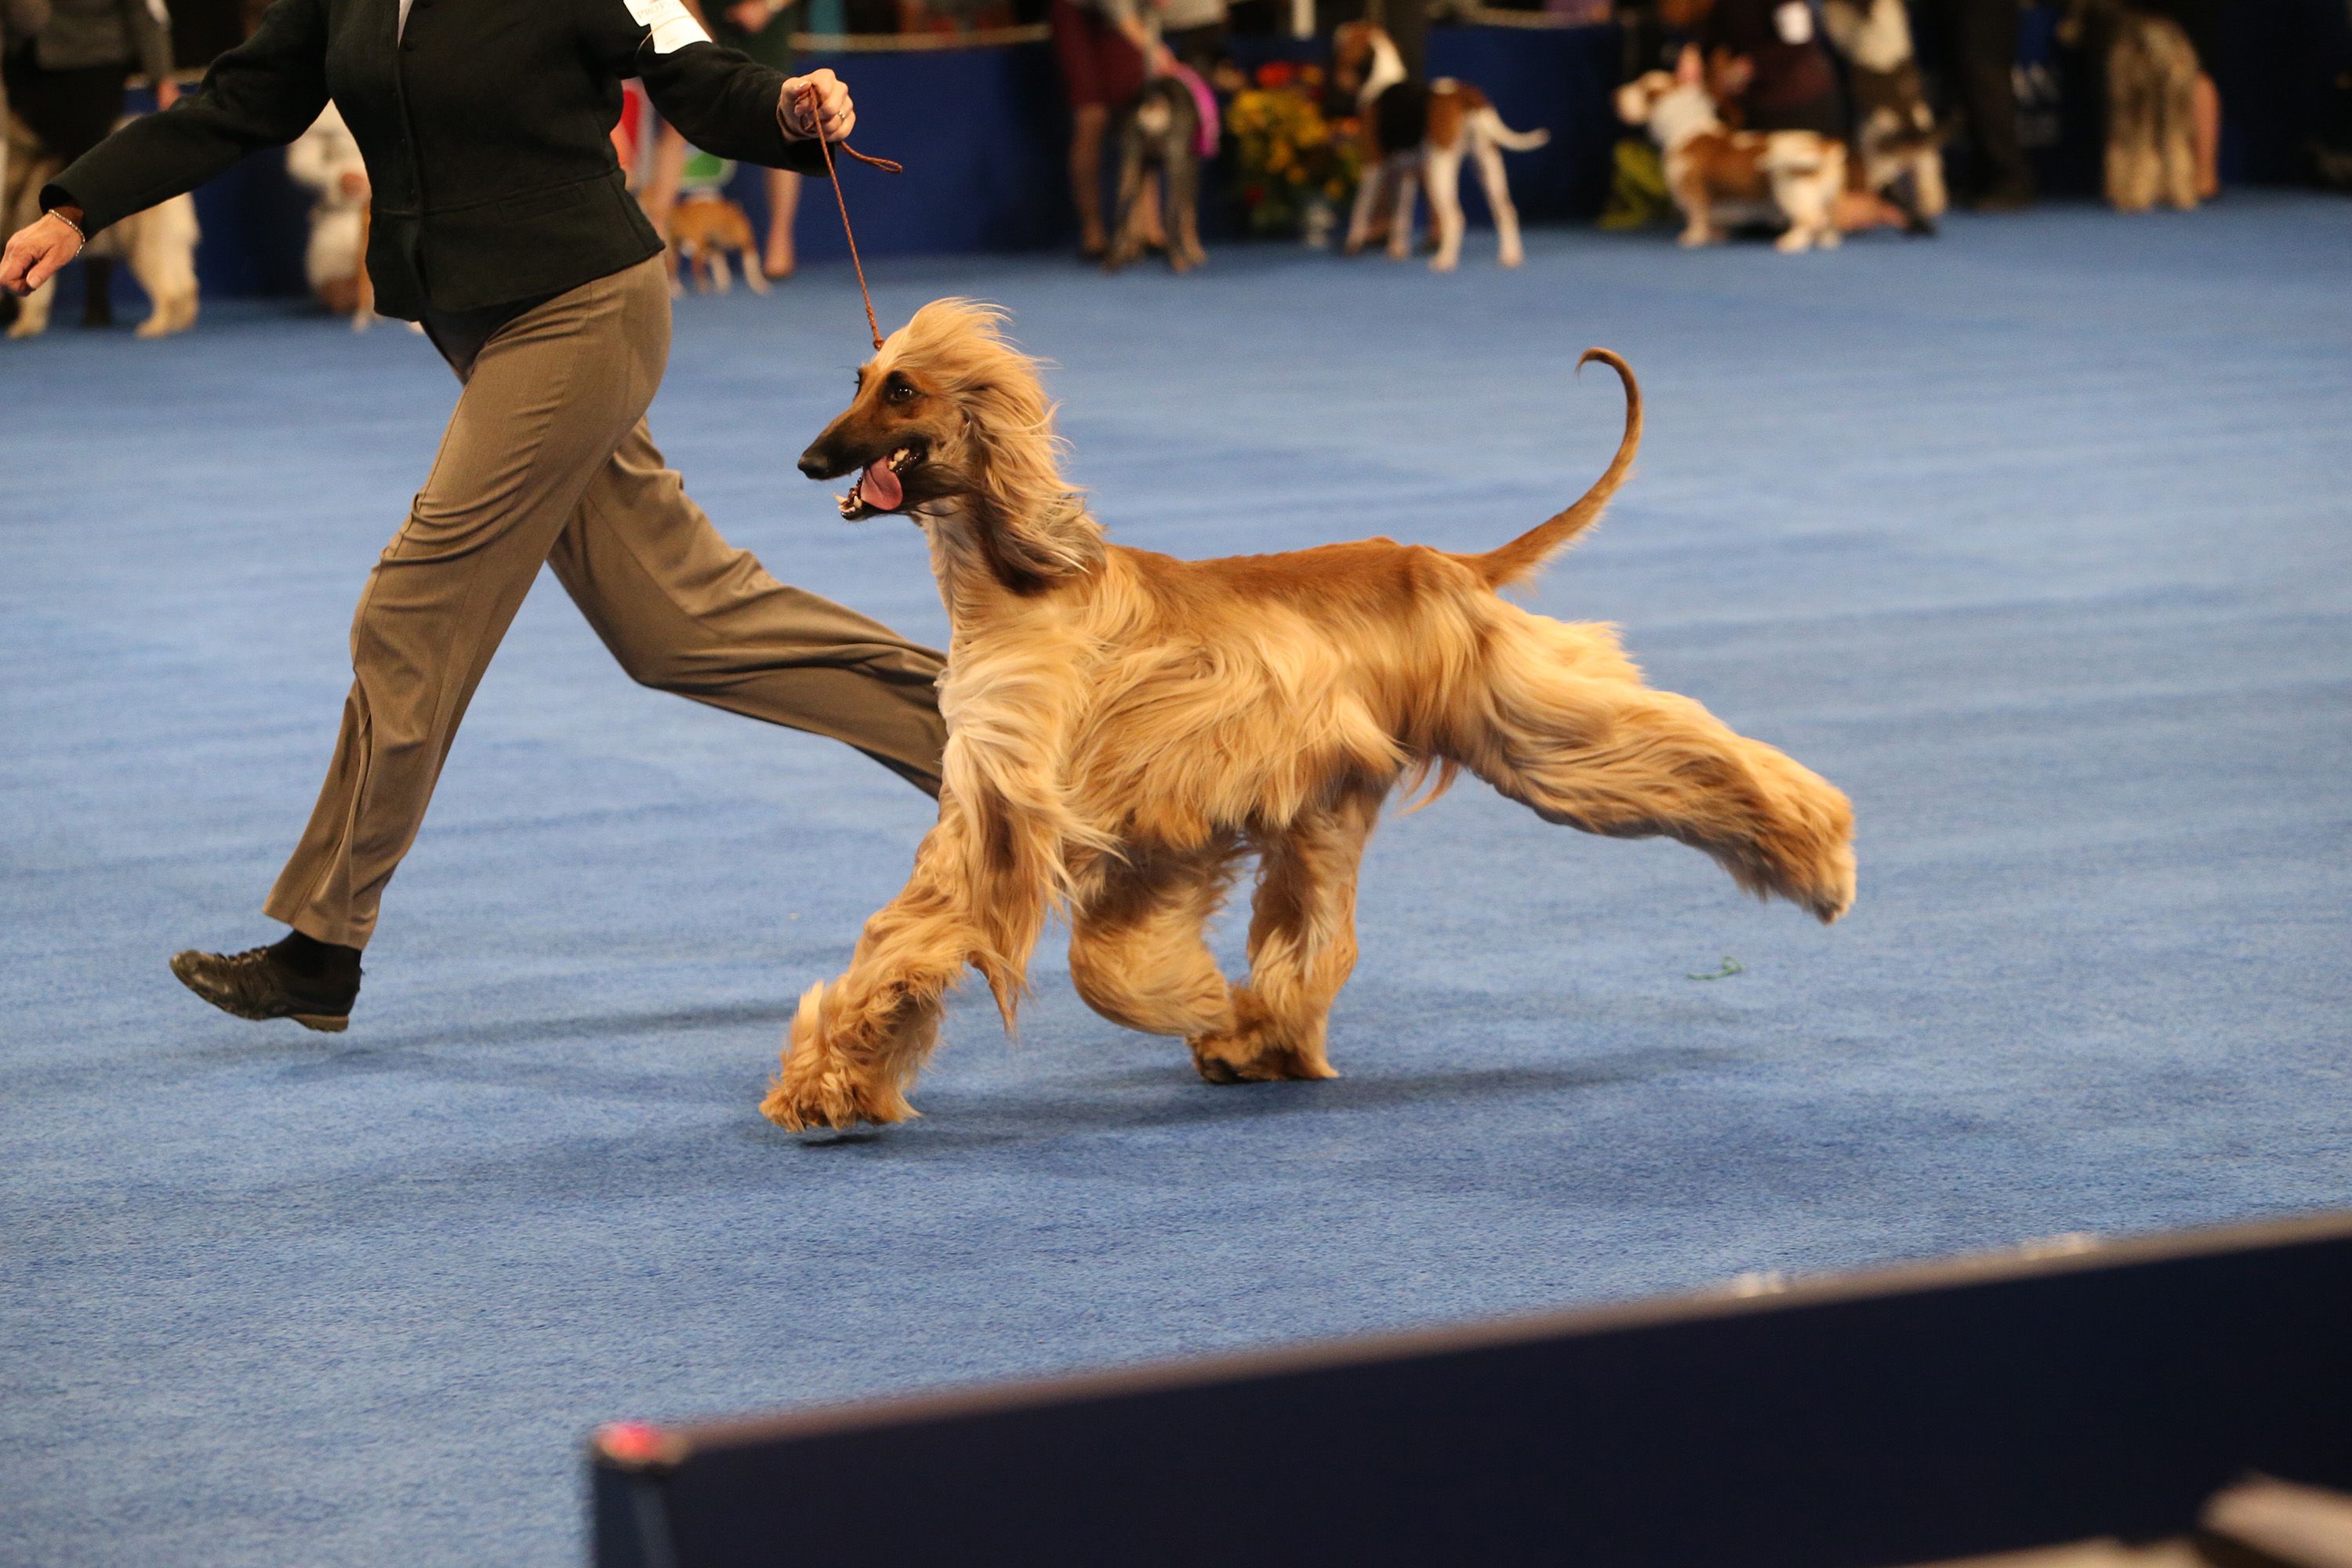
(503, 224)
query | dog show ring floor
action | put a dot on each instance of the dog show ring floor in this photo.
(2032, 538)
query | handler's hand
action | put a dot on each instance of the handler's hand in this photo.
(36, 252)
(834, 111)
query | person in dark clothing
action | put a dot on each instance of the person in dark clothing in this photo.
(20, 21)
(1768, 57)
(501, 222)
(1979, 48)
(67, 84)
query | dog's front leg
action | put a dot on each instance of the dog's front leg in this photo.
(1698, 213)
(1408, 184)
(858, 1043)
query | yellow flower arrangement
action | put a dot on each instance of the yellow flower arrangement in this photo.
(1287, 154)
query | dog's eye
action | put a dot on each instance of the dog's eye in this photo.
(901, 392)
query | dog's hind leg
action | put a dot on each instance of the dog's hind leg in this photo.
(1570, 731)
(1127, 237)
(1302, 947)
(1136, 951)
(1496, 184)
(1185, 251)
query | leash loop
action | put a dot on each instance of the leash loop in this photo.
(809, 103)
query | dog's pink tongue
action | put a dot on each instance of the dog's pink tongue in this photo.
(880, 486)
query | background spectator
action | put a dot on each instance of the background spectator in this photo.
(1194, 32)
(67, 86)
(762, 30)
(1979, 48)
(1103, 47)
(19, 20)
(1767, 57)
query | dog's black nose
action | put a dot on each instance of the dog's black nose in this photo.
(812, 463)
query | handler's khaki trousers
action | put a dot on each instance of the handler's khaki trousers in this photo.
(546, 459)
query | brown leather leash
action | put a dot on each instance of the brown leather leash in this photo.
(815, 117)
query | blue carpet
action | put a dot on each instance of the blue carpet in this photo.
(2032, 538)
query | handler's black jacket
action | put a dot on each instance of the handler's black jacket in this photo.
(486, 125)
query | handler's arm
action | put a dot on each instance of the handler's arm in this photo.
(718, 100)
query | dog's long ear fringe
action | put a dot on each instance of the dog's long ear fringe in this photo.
(1036, 526)
(1523, 557)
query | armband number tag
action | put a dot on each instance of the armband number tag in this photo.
(672, 24)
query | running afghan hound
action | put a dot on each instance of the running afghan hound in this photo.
(1125, 729)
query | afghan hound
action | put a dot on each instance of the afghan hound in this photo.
(1125, 729)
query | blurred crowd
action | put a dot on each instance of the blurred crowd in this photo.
(1905, 90)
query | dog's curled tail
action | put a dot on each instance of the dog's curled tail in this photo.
(1511, 141)
(1523, 557)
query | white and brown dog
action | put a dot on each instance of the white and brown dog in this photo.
(1419, 136)
(160, 244)
(1722, 178)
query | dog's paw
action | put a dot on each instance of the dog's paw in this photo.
(819, 1086)
(832, 1100)
(1247, 1056)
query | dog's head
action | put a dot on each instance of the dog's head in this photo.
(1637, 99)
(1672, 105)
(952, 423)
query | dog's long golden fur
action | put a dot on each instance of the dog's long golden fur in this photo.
(1125, 729)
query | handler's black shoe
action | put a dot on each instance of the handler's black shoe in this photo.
(312, 983)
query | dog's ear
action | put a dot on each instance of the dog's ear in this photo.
(1036, 529)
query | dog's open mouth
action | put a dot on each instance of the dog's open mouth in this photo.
(879, 489)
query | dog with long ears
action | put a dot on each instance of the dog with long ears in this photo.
(1126, 728)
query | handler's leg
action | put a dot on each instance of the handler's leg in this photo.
(545, 403)
(684, 611)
